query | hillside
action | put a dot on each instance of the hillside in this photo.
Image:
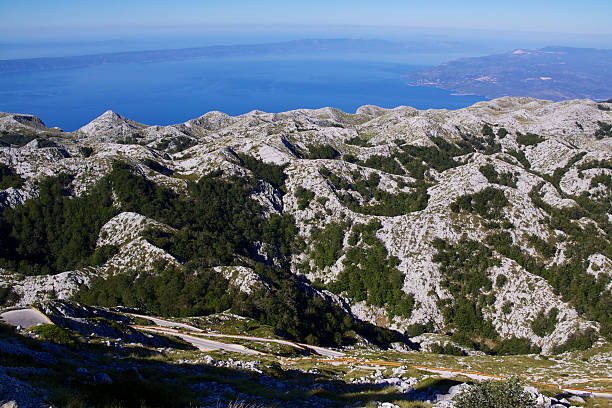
(490, 224)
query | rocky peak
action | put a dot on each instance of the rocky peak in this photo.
(14, 121)
(213, 120)
(109, 126)
(29, 120)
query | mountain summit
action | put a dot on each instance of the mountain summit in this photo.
(110, 125)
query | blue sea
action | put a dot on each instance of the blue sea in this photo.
(172, 92)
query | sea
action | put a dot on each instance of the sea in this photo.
(163, 93)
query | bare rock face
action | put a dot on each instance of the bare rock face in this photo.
(126, 227)
(13, 122)
(110, 126)
(33, 289)
(245, 279)
(12, 197)
(542, 156)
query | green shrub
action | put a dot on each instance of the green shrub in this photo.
(487, 203)
(470, 143)
(322, 152)
(8, 297)
(388, 164)
(448, 348)
(544, 324)
(589, 295)
(86, 151)
(417, 329)
(287, 304)
(508, 393)
(388, 204)
(328, 244)
(603, 107)
(501, 280)
(520, 156)
(9, 178)
(371, 275)
(503, 179)
(54, 334)
(103, 254)
(603, 179)
(605, 130)
(529, 139)
(167, 292)
(8, 138)
(546, 249)
(489, 172)
(487, 130)
(141, 321)
(350, 158)
(580, 340)
(158, 167)
(54, 232)
(516, 346)
(559, 172)
(180, 143)
(464, 267)
(358, 141)
(606, 330)
(304, 197)
(439, 157)
(272, 173)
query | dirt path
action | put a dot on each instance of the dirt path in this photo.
(168, 327)
(197, 331)
(166, 323)
(200, 343)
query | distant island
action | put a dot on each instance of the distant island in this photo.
(321, 47)
(553, 73)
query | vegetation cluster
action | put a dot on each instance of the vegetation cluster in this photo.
(370, 274)
(9, 178)
(374, 200)
(218, 224)
(508, 393)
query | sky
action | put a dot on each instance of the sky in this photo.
(40, 19)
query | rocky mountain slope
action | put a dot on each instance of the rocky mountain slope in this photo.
(492, 223)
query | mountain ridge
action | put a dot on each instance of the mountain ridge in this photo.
(380, 186)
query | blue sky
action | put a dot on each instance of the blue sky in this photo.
(29, 18)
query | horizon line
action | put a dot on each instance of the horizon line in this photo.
(202, 26)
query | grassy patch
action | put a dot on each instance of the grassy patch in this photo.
(233, 325)
(54, 334)
(277, 349)
(141, 321)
